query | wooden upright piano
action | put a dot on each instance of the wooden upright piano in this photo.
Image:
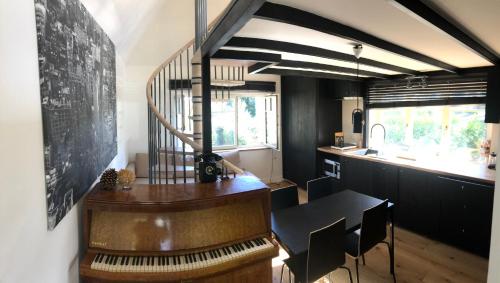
(213, 232)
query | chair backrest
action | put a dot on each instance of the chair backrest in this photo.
(326, 250)
(321, 187)
(373, 227)
(284, 198)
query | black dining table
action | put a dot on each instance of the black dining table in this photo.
(292, 226)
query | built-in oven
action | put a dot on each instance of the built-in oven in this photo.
(331, 168)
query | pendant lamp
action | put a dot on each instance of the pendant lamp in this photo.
(357, 113)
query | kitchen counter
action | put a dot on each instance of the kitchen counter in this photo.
(468, 170)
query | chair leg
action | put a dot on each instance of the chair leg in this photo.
(363, 257)
(391, 260)
(282, 269)
(357, 271)
(348, 270)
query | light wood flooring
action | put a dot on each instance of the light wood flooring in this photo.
(418, 259)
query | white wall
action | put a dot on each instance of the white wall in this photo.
(494, 264)
(347, 107)
(28, 252)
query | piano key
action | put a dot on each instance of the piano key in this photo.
(189, 261)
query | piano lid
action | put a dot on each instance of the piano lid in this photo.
(178, 193)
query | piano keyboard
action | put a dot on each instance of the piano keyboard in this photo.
(174, 263)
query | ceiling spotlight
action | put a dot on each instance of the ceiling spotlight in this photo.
(357, 50)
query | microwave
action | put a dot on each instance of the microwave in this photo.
(331, 168)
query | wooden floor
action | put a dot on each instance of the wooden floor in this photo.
(418, 259)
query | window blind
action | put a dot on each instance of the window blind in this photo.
(427, 91)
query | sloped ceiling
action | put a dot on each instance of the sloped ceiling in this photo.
(146, 32)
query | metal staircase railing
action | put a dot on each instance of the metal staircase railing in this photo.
(169, 95)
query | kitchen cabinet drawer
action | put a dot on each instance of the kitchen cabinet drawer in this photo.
(418, 205)
(356, 175)
(385, 181)
(465, 214)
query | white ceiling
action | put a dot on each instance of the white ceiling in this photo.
(386, 20)
(480, 17)
(146, 32)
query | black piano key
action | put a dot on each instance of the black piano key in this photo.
(193, 256)
(219, 253)
(168, 260)
(175, 260)
(141, 260)
(190, 258)
(108, 258)
(178, 259)
(228, 250)
(115, 260)
(224, 251)
(204, 256)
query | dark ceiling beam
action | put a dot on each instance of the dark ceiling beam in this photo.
(281, 46)
(312, 74)
(325, 67)
(259, 66)
(235, 17)
(247, 55)
(473, 71)
(285, 14)
(420, 9)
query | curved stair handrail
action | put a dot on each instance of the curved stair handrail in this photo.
(183, 137)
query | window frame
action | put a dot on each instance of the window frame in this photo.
(445, 123)
(266, 144)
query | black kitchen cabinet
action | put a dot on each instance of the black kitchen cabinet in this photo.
(341, 88)
(385, 181)
(356, 175)
(418, 206)
(454, 211)
(465, 213)
(310, 116)
(492, 114)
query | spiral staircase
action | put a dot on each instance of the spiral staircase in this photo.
(173, 142)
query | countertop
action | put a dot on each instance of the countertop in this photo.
(467, 170)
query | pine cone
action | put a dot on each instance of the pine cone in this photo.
(108, 179)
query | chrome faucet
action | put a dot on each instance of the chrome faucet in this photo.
(377, 124)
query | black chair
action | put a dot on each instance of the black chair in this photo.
(325, 254)
(284, 198)
(321, 187)
(373, 231)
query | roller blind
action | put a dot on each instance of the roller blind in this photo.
(427, 91)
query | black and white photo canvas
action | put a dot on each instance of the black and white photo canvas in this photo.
(78, 96)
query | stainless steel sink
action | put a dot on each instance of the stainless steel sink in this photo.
(366, 152)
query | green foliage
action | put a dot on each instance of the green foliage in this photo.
(427, 129)
(222, 137)
(249, 105)
(470, 136)
(395, 131)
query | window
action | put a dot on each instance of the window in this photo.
(451, 132)
(223, 123)
(244, 121)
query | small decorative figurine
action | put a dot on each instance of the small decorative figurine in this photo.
(126, 178)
